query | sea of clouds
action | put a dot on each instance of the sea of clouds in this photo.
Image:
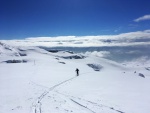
(121, 47)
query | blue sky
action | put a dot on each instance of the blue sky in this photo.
(34, 18)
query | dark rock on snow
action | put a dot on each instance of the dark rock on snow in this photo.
(141, 75)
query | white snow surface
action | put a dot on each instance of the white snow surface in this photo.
(47, 83)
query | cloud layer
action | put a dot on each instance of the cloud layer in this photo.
(143, 18)
(124, 39)
(121, 47)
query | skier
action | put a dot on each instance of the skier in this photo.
(77, 70)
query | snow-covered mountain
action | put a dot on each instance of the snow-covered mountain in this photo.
(37, 78)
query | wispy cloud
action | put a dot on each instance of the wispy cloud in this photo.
(133, 25)
(143, 18)
(118, 29)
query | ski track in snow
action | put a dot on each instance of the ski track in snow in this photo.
(76, 100)
(82, 105)
(86, 104)
(36, 106)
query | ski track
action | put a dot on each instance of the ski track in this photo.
(36, 105)
(76, 99)
(82, 105)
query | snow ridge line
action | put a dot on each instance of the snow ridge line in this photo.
(36, 106)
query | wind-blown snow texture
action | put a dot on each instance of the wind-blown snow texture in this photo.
(43, 80)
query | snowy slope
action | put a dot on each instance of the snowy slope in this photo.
(37, 81)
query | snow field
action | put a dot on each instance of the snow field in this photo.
(43, 84)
